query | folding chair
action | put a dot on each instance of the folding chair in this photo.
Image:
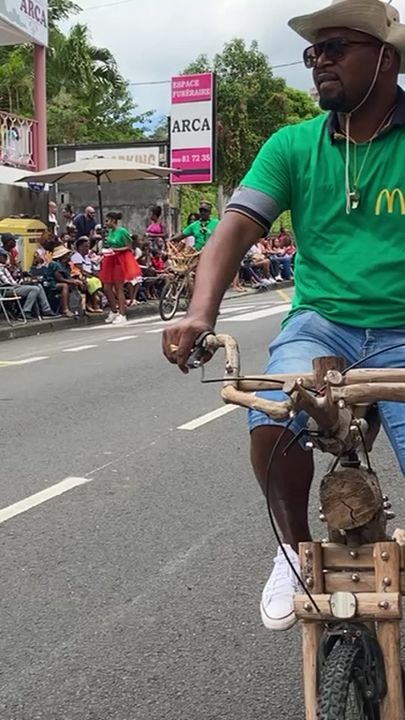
(9, 294)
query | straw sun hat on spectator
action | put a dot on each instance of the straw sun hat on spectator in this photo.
(373, 17)
(60, 252)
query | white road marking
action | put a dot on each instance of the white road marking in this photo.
(208, 417)
(258, 314)
(226, 311)
(122, 338)
(40, 497)
(79, 348)
(27, 361)
(236, 308)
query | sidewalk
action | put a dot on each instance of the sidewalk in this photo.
(39, 327)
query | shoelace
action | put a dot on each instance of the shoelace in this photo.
(282, 576)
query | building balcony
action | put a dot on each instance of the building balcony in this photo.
(18, 141)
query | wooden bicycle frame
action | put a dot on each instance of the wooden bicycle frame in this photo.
(373, 572)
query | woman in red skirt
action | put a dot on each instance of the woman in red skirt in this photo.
(118, 264)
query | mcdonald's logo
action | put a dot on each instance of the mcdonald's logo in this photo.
(390, 197)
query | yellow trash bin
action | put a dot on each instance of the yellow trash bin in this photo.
(26, 232)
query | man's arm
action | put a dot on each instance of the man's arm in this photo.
(183, 234)
(6, 277)
(179, 236)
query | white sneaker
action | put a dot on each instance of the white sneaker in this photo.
(277, 603)
(110, 317)
(119, 320)
(279, 278)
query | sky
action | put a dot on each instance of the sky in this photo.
(155, 39)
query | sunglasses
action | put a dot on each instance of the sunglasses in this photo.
(333, 49)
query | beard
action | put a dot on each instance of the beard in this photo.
(338, 102)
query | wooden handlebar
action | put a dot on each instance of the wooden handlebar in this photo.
(352, 388)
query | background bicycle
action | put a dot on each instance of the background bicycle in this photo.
(179, 286)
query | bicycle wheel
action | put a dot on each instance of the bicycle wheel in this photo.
(344, 688)
(169, 299)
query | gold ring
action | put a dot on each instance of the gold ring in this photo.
(173, 348)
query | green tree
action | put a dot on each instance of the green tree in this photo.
(88, 99)
(160, 131)
(60, 10)
(16, 79)
(300, 106)
(93, 90)
(252, 104)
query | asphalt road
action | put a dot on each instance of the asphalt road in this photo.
(134, 594)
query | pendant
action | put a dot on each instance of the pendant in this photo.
(354, 199)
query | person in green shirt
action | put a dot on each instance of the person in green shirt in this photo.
(118, 267)
(200, 230)
(342, 176)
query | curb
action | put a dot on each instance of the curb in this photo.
(40, 327)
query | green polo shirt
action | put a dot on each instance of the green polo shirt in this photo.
(350, 268)
(201, 231)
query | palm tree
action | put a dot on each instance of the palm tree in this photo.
(80, 67)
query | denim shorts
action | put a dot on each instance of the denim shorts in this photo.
(308, 335)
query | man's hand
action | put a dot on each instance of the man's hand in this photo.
(179, 339)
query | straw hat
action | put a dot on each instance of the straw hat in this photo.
(373, 17)
(60, 251)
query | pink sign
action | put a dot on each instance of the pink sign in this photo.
(192, 88)
(192, 128)
(195, 164)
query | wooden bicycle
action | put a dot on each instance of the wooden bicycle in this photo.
(350, 604)
(180, 282)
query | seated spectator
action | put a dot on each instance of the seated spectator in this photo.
(95, 253)
(149, 273)
(81, 261)
(289, 248)
(282, 258)
(31, 293)
(136, 247)
(133, 286)
(260, 263)
(99, 236)
(68, 240)
(265, 248)
(59, 279)
(156, 231)
(42, 255)
(9, 243)
(158, 262)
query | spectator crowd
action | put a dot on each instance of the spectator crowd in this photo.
(81, 267)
